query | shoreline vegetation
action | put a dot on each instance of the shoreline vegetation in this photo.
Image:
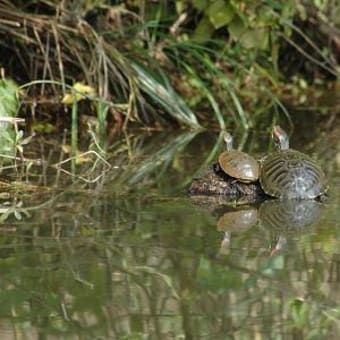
(125, 104)
(86, 72)
(157, 65)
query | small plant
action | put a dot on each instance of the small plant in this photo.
(10, 136)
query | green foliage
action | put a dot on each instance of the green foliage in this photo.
(197, 63)
(299, 312)
(162, 93)
(9, 101)
(248, 23)
(9, 105)
(220, 13)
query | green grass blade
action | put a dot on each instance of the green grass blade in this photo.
(165, 96)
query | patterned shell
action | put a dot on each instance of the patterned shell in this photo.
(239, 165)
(292, 174)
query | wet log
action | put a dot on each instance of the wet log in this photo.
(216, 183)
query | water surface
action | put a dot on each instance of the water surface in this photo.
(132, 257)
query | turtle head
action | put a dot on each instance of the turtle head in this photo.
(228, 139)
(280, 138)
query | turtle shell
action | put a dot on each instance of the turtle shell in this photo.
(239, 165)
(292, 174)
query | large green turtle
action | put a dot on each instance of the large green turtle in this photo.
(290, 174)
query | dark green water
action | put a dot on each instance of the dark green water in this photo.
(131, 257)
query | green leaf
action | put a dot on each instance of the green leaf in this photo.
(200, 5)
(299, 310)
(204, 30)
(220, 13)
(236, 27)
(9, 102)
(255, 38)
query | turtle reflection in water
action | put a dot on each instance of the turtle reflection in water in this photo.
(284, 217)
(289, 214)
(290, 174)
(234, 222)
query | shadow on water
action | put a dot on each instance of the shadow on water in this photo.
(131, 257)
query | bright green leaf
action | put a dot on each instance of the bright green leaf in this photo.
(220, 13)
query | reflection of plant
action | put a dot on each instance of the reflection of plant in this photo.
(309, 321)
(217, 279)
(15, 209)
(97, 265)
(299, 311)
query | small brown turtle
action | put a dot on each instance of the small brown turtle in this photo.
(290, 174)
(238, 164)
